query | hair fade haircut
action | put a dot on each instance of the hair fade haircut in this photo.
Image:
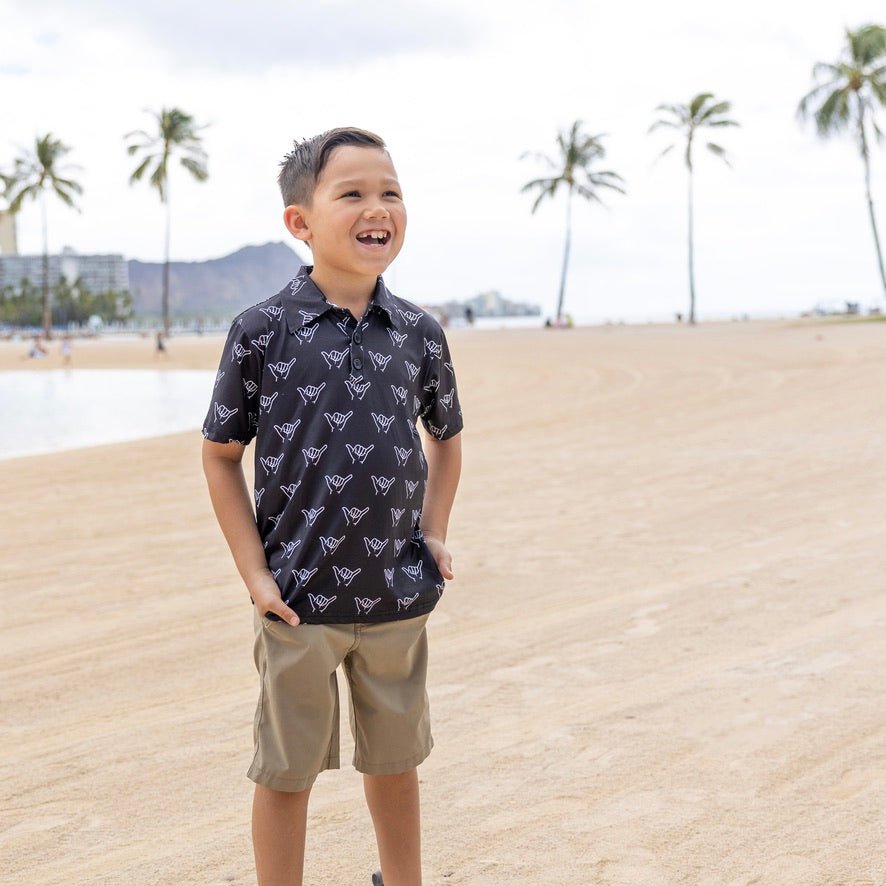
(301, 167)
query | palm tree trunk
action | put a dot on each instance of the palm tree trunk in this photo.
(867, 186)
(565, 256)
(691, 256)
(166, 269)
(47, 305)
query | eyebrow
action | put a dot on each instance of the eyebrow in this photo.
(347, 182)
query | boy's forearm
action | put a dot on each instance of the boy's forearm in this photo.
(233, 510)
(444, 470)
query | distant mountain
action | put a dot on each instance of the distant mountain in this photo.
(216, 289)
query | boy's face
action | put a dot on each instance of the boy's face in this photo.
(357, 220)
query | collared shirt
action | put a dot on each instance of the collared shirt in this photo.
(339, 469)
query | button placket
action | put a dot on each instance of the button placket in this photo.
(356, 348)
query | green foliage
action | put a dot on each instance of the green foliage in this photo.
(35, 172)
(573, 168)
(22, 306)
(702, 111)
(848, 91)
(176, 132)
(846, 97)
(71, 304)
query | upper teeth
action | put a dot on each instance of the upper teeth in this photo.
(376, 235)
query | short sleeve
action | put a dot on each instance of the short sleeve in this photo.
(441, 411)
(233, 412)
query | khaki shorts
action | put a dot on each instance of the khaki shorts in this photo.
(297, 719)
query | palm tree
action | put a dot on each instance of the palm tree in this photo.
(578, 152)
(702, 111)
(176, 131)
(33, 174)
(847, 99)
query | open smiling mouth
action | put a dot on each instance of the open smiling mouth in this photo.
(374, 238)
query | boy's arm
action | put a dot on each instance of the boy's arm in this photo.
(233, 510)
(444, 469)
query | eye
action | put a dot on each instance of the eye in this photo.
(351, 194)
(392, 194)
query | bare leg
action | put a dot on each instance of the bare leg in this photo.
(393, 802)
(279, 821)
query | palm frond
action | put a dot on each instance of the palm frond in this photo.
(803, 109)
(64, 196)
(826, 69)
(698, 103)
(538, 183)
(158, 180)
(196, 168)
(666, 151)
(177, 133)
(833, 114)
(610, 180)
(144, 136)
(578, 153)
(866, 44)
(714, 111)
(140, 170)
(537, 155)
(666, 124)
(550, 191)
(37, 170)
(719, 152)
(18, 197)
(589, 194)
(680, 112)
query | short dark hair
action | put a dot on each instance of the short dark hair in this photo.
(301, 167)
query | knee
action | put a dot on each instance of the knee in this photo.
(281, 800)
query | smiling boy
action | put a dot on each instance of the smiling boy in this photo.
(345, 554)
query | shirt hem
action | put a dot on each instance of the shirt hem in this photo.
(381, 617)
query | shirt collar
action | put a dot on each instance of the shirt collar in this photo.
(304, 303)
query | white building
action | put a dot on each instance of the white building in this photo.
(97, 273)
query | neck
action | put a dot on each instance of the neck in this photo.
(353, 293)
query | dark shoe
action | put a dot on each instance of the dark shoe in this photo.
(377, 880)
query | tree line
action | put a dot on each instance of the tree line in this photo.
(72, 302)
(843, 100)
(40, 171)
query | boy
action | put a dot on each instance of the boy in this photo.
(345, 556)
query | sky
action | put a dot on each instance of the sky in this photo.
(460, 91)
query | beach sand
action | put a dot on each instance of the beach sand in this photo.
(662, 660)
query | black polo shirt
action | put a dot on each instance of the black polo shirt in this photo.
(339, 469)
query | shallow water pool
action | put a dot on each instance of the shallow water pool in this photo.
(69, 408)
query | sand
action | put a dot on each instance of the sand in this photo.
(662, 660)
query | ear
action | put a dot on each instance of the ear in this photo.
(296, 223)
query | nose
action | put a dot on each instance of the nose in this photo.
(379, 210)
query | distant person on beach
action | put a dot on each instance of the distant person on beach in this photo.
(37, 351)
(161, 344)
(67, 348)
(345, 556)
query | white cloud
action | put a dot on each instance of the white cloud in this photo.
(232, 35)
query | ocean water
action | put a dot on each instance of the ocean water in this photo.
(70, 408)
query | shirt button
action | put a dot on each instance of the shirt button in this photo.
(357, 363)
(358, 337)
